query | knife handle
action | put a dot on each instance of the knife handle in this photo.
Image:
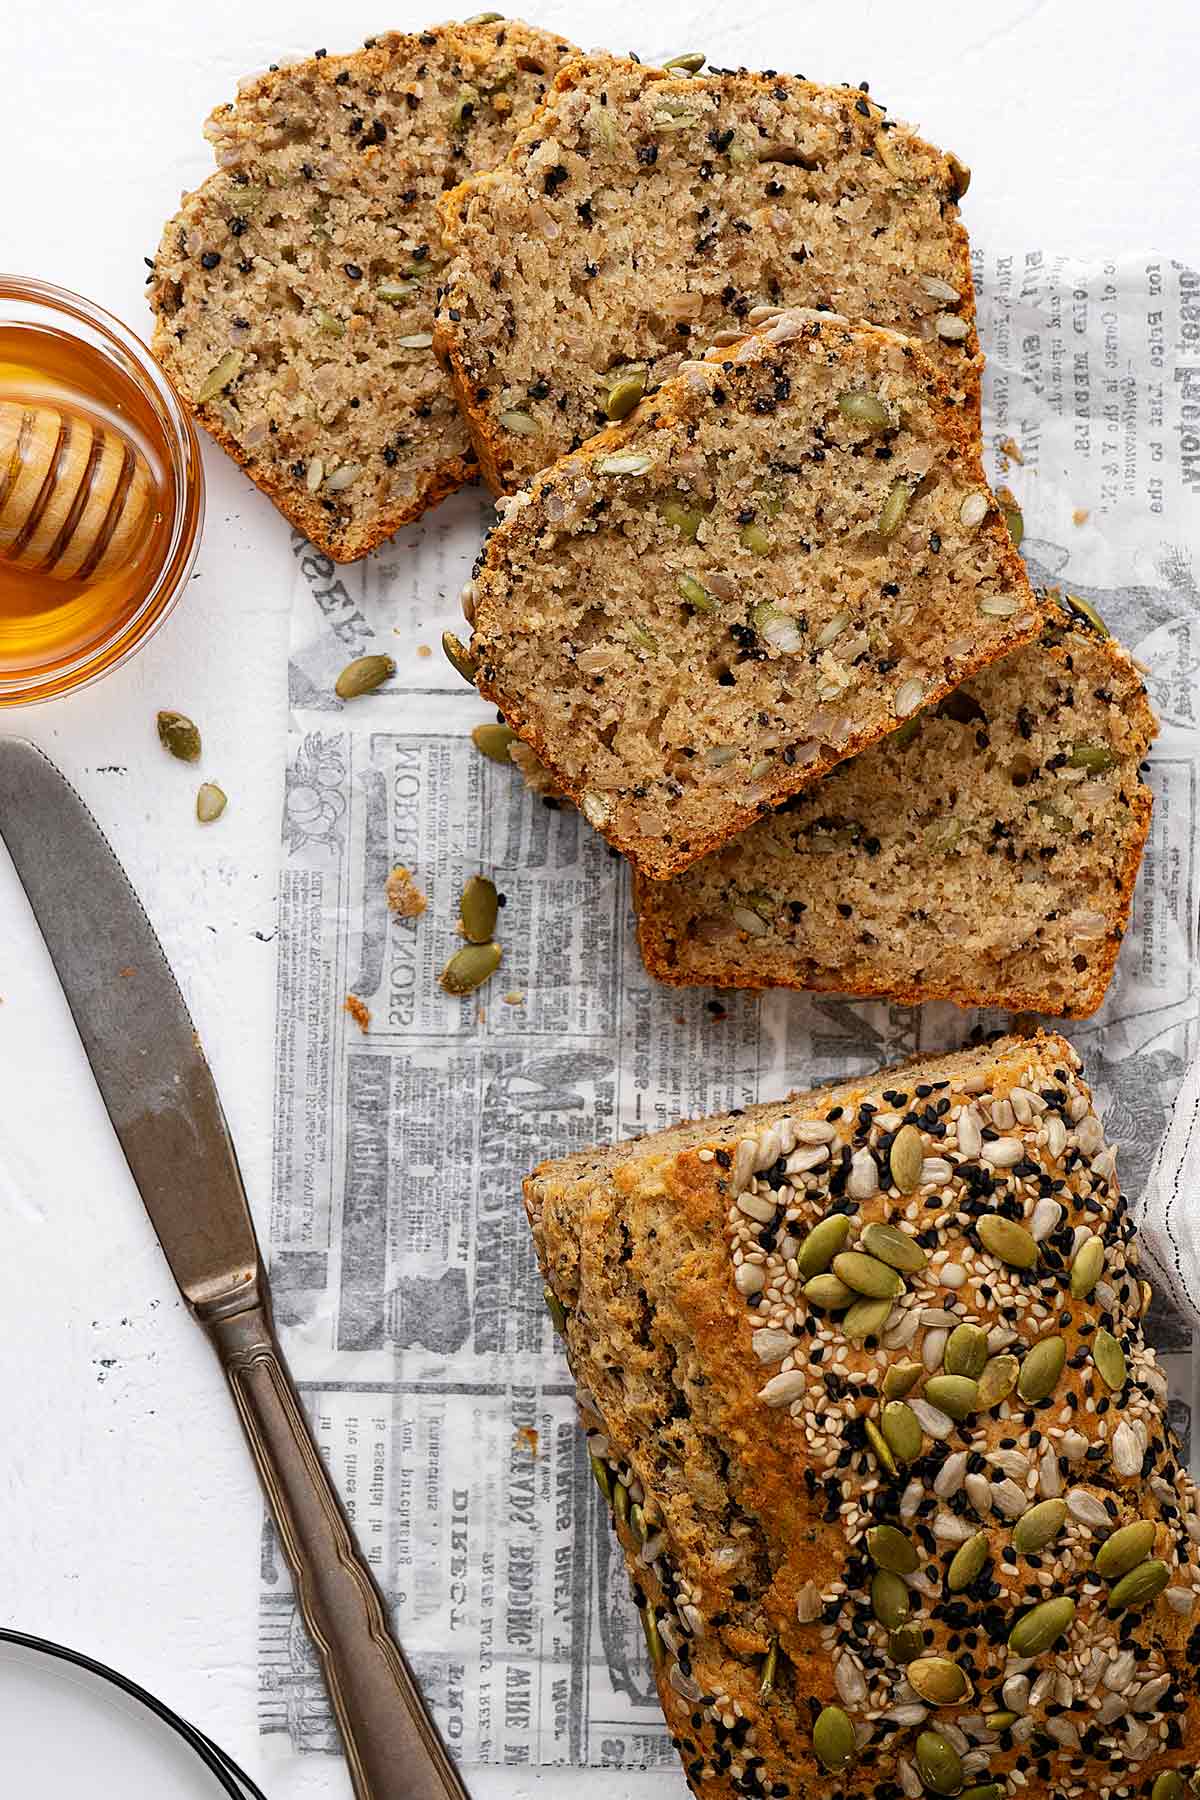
(392, 1746)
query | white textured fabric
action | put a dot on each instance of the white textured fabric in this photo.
(1168, 1214)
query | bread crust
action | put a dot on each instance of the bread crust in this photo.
(747, 1554)
(657, 939)
(452, 338)
(666, 409)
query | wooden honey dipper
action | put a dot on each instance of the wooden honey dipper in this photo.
(76, 497)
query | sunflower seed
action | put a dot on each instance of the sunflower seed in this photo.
(1045, 1220)
(1142, 1585)
(967, 1562)
(949, 1528)
(1109, 1359)
(1087, 1267)
(1042, 1626)
(1039, 1526)
(866, 410)
(211, 802)
(1049, 1475)
(997, 1382)
(771, 1345)
(908, 697)
(892, 1549)
(1041, 1369)
(470, 967)
(757, 1207)
(1015, 1693)
(459, 657)
(363, 676)
(903, 1434)
(348, 473)
(973, 510)
(1181, 1600)
(782, 1389)
(867, 1275)
(955, 1395)
(933, 1422)
(866, 1318)
(891, 1601)
(900, 1379)
(966, 1351)
(949, 1478)
(177, 734)
(911, 1785)
(979, 1493)
(628, 462)
(749, 1279)
(894, 509)
(939, 1763)
(938, 1680)
(849, 1680)
(1011, 1500)
(822, 1244)
(833, 1740)
(863, 1180)
(934, 1349)
(808, 1604)
(478, 910)
(970, 1139)
(1150, 1693)
(1126, 1450)
(523, 424)
(953, 329)
(1007, 1240)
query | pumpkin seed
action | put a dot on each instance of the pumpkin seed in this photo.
(211, 802)
(464, 106)
(833, 1740)
(687, 520)
(755, 538)
(1095, 758)
(887, 1244)
(395, 293)
(966, 1352)
(939, 1763)
(938, 1680)
(997, 1381)
(522, 423)
(1087, 1266)
(363, 676)
(891, 1601)
(867, 1275)
(620, 1503)
(902, 1431)
(459, 657)
(880, 1446)
(1168, 1786)
(654, 1644)
(695, 595)
(1109, 1359)
(906, 1157)
(484, 18)
(1041, 1369)
(770, 1664)
(1039, 1526)
(478, 909)
(493, 740)
(691, 62)
(901, 738)
(470, 967)
(906, 1643)
(960, 176)
(1085, 610)
(777, 628)
(177, 734)
(894, 509)
(624, 395)
(967, 1562)
(1015, 520)
(987, 1790)
(866, 1318)
(637, 1524)
(1008, 1241)
(1125, 1549)
(822, 1244)
(955, 1395)
(1142, 1584)
(557, 1311)
(219, 377)
(827, 1292)
(1042, 1626)
(999, 1721)
(603, 1477)
(901, 1379)
(866, 410)
(890, 1548)
(628, 462)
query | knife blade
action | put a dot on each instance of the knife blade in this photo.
(156, 1084)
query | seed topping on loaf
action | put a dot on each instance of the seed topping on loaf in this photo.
(933, 1275)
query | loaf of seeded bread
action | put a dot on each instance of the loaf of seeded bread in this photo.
(864, 1382)
(643, 213)
(985, 853)
(294, 290)
(770, 564)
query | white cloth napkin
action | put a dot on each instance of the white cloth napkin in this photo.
(1168, 1214)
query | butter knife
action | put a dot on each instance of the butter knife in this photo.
(163, 1103)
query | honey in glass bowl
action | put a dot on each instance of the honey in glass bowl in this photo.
(100, 492)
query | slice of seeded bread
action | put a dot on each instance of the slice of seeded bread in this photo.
(643, 213)
(294, 290)
(773, 562)
(986, 853)
(900, 1501)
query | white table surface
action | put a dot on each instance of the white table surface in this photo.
(129, 1519)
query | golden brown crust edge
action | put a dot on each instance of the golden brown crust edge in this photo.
(648, 858)
(655, 941)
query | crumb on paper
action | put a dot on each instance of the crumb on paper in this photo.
(404, 897)
(527, 1435)
(1012, 450)
(126, 973)
(514, 998)
(534, 774)
(1081, 515)
(424, 650)
(359, 1012)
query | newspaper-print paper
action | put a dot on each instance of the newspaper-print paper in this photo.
(402, 1268)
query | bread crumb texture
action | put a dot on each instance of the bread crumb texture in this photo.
(865, 1386)
(404, 897)
(774, 561)
(643, 213)
(1023, 786)
(294, 290)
